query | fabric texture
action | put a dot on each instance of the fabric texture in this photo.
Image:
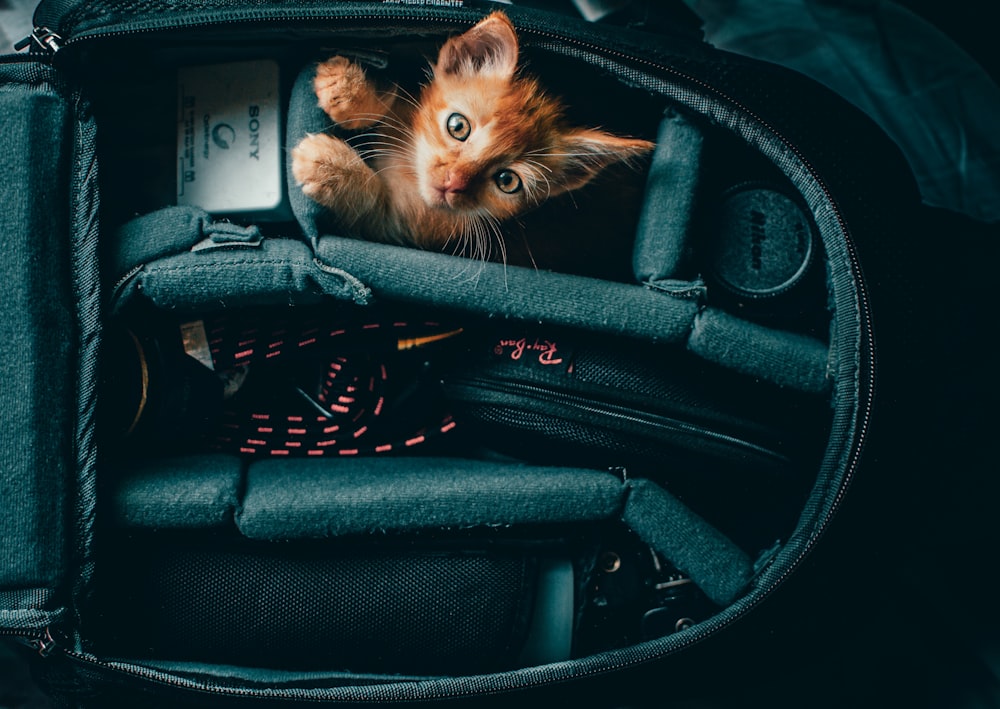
(369, 495)
(665, 222)
(37, 406)
(716, 565)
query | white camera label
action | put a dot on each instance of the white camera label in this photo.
(229, 157)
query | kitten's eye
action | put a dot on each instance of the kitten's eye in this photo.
(458, 126)
(508, 181)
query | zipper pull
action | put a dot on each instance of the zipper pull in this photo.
(45, 644)
(41, 641)
(45, 39)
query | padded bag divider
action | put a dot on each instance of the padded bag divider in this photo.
(228, 266)
(283, 500)
(249, 563)
(662, 238)
(181, 257)
(180, 493)
(46, 227)
(319, 499)
(304, 116)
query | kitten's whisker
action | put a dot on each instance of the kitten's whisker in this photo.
(456, 238)
(527, 248)
(389, 123)
(484, 245)
(383, 153)
(388, 134)
(408, 98)
(469, 246)
(584, 153)
(494, 225)
(377, 173)
(378, 137)
(539, 165)
(537, 177)
(377, 145)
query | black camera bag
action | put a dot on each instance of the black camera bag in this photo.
(507, 558)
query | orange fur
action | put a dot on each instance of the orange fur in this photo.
(431, 184)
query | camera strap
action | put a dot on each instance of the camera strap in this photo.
(326, 386)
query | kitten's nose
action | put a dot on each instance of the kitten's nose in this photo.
(455, 182)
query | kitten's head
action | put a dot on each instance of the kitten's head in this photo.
(490, 142)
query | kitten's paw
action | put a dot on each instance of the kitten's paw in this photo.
(331, 173)
(347, 96)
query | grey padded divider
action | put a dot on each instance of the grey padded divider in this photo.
(187, 492)
(309, 499)
(330, 498)
(662, 233)
(511, 292)
(180, 257)
(788, 359)
(240, 274)
(716, 565)
(232, 266)
(39, 353)
(166, 232)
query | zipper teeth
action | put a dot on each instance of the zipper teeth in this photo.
(631, 656)
(26, 634)
(124, 279)
(254, 17)
(41, 640)
(152, 675)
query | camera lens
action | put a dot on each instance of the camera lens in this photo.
(125, 384)
(151, 390)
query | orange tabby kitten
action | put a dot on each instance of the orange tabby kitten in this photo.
(482, 144)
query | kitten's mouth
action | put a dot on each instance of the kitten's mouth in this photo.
(451, 200)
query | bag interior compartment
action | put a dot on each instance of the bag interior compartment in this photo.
(660, 285)
(354, 607)
(394, 565)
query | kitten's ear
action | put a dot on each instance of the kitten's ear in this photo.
(490, 47)
(584, 153)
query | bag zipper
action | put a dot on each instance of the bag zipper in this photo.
(42, 641)
(50, 36)
(43, 38)
(640, 421)
(50, 42)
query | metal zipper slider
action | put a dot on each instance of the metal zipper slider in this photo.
(44, 643)
(45, 39)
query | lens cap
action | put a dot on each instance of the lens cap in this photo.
(763, 257)
(762, 242)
